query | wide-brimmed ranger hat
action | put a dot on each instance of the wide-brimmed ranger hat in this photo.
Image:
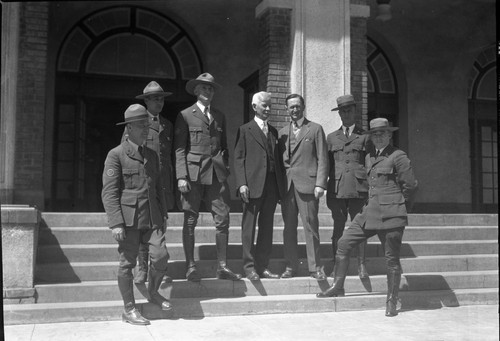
(204, 78)
(344, 101)
(380, 124)
(153, 89)
(134, 113)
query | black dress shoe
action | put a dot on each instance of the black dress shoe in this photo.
(134, 317)
(223, 272)
(192, 275)
(331, 292)
(161, 301)
(268, 274)
(288, 273)
(253, 276)
(319, 275)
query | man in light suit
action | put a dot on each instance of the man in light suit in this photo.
(392, 185)
(160, 139)
(259, 181)
(136, 210)
(202, 169)
(305, 158)
(347, 186)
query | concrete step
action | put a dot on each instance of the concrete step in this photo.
(199, 307)
(61, 219)
(206, 234)
(100, 252)
(64, 272)
(108, 290)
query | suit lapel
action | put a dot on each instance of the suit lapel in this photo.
(131, 152)
(257, 133)
(304, 131)
(198, 114)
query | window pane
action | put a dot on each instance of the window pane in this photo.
(487, 196)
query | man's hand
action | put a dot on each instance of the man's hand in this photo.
(119, 234)
(318, 192)
(244, 193)
(184, 186)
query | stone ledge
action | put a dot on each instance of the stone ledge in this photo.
(19, 214)
(18, 293)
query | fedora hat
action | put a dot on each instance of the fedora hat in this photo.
(378, 124)
(344, 101)
(153, 89)
(204, 78)
(135, 112)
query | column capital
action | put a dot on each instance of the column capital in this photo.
(266, 4)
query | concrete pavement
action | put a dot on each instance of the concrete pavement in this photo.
(468, 323)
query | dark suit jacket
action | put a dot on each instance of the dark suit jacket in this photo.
(161, 141)
(250, 159)
(347, 175)
(307, 165)
(131, 188)
(201, 146)
(392, 184)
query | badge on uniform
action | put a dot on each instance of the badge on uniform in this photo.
(110, 172)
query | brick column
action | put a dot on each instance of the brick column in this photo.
(30, 106)
(274, 76)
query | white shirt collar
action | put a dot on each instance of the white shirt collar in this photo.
(259, 121)
(300, 122)
(202, 108)
(351, 128)
(151, 116)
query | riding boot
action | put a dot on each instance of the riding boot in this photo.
(131, 314)
(362, 272)
(188, 244)
(223, 272)
(393, 281)
(153, 286)
(334, 249)
(337, 288)
(142, 262)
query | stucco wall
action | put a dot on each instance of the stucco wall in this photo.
(434, 44)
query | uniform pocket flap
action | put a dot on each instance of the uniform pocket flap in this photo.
(337, 147)
(194, 129)
(128, 199)
(385, 171)
(360, 173)
(130, 171)
(193, 157)
(396, 198)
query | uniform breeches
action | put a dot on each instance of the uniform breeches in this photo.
(340, 209)
(391, 240)
(129, 248)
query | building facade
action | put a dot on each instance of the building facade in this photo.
(70, 69)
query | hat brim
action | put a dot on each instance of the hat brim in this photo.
(381, 129)
(159, 93)
(190, 85)
(135, 119)
(343, 105)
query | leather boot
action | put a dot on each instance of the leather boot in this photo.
(188, 244)
(142, 262)
(393, 281)
(334, 249)
(362, 272)
(337, 288)
(223, 272)
(154, 285)
(131, 314)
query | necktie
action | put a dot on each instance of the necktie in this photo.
(264, 128)
(205, 112)
(155, 118)
(296, 129)
(347, 132)
(141, 149)
(377, 153)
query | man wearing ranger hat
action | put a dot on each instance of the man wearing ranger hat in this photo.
(160, 139)
(347, 187)
(391, 187)
(136, 210)
(202, 169)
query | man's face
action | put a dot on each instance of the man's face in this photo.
(263, 108)
(138, 131)
(154, 104)
(381, 138)
(295, 109)
(347, 115)
(204, 93)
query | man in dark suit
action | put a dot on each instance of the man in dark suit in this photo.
(305, 158)
(391, 187)
(347, 186)
(202, 169)
(136, 210)
(160, 139)
(260, 185)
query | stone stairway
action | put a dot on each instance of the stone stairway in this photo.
(447, 259)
